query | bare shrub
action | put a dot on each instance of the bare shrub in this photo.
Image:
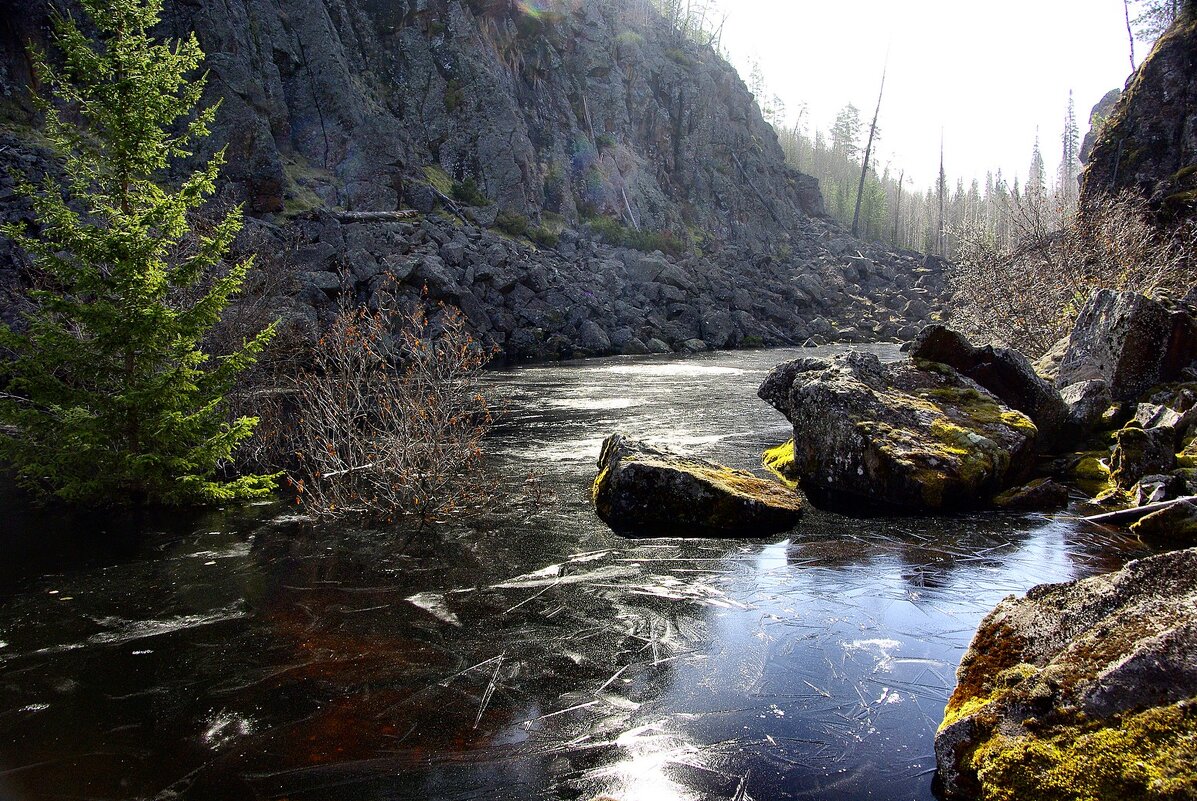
(1027, 292)
(390, 416)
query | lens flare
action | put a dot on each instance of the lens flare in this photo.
(534, 8)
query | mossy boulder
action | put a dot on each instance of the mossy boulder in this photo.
(648, 491)
(1188, 457)
(895, 437)
(1086, 690)
(1173, 525)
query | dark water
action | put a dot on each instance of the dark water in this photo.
(528, 654)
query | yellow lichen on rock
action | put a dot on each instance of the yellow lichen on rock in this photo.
(1149, 755)
(781, 462)
(646, 490)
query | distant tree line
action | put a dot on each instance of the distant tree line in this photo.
(938, 217)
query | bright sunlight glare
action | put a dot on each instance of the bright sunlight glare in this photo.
(989, 75)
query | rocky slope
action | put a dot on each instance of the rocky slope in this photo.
(566, 123)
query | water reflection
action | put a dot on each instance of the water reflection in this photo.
(529, 654)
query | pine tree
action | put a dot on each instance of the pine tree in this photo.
(1036, 187)
(110, 397)
(845, 133)
(1067, 185)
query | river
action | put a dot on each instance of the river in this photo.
(525, 653)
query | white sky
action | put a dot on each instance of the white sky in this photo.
(987, 73)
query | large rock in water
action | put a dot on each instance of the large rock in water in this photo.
(1006, 373)
(1085, 690)
(1129, 341)
(886, 437)
(645, 490)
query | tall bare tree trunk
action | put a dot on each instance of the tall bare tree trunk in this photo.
(864, 169)
(943, 190)
(898, 207)
(1130, 32)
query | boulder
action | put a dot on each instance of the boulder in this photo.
(1085, 690)
(1157, 489)
(1174, 408)
(1087, 403)
(593, 338)
(1173, 524)
(645, 490)
(1041, 495)
(1142, 452)
(1125, 339)
(1006, 373)
(1048, 365)
(893, 437)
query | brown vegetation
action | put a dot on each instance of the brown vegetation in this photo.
(390, 415)
(1027, 293)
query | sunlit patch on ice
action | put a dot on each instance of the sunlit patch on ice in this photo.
(676, 370)
(593, 404)
(224, 727)
(582, 450)
(237, 551)
(644, 773)
(129, 630)
(434, 604)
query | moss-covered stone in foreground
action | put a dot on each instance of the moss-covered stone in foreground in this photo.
(1085, 691)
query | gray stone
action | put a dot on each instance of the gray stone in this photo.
(593, 338)
(453, 253)
(884, 437)
(324, 281)
(1121, 337)
(1087, 402)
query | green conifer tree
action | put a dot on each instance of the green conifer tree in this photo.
(110, 397)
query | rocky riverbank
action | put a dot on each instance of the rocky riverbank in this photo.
(958, 426)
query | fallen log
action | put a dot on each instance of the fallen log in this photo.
(1137, 513)
(361, 216)
(375, 216)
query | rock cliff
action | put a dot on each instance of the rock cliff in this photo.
(565, 122)
(1149, 142)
